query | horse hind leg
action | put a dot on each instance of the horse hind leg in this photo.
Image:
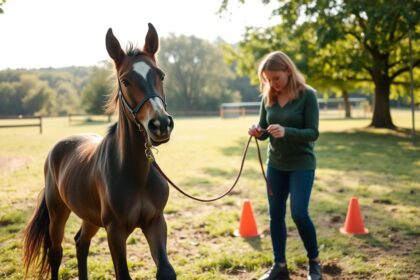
(57, 225)
(82, 238)
(58, 214)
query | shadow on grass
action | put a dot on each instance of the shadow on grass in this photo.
(254, 242)
(355, 150)
(389, 157)
(372, 241)
(362, 150)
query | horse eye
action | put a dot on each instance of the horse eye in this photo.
(125, 82)
(160, 74)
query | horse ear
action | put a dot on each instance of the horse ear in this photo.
(151, 44)
(113, 47)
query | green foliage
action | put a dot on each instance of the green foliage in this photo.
(1, 3)
(197, 76)
(361, 36)
(242, 86)
(39, 98)
(199, 79)
(342, 45)
(97, 90)
(29, 96)
(11, 102)
(42, 91)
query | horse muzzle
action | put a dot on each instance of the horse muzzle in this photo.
(160, 128)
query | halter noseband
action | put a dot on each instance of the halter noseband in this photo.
(140, 104)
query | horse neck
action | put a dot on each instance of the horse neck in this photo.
(131, 142)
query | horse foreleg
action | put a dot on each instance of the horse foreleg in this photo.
(82, 238)
(156, 234)
(117, 238)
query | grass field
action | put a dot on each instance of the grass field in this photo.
(379, 167)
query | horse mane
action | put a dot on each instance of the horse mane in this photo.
(111, 104)
(112, 129)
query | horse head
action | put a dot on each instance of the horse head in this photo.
(140, 83)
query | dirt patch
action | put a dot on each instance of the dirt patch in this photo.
(5, 223)
(10, 163)
(331, 268)
(402, 245)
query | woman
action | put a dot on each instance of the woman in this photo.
(289, 117)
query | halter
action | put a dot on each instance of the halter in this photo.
(147, 145)
(149, 92)
(148, 96)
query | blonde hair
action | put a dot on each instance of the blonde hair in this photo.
(279, 61)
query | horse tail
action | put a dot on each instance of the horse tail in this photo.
(36, 238)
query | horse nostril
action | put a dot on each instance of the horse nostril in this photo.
(156, 123)
(161, 126)
(154, 126)
(170, 123)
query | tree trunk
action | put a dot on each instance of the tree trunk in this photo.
(381, 111)
(346, 103)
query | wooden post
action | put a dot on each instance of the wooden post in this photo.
(40, 124)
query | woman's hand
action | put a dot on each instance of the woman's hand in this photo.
(255, 130)
(276, 130)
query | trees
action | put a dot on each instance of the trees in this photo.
(38, 99)
(67, 84)
(45, 91)
(10, 103)
(1, 3)
(26, 96)
(358, 40)
(198, 79)
(97, 90)
(197, 76)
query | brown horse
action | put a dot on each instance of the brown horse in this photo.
(109, 182)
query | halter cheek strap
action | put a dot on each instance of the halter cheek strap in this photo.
(138, 107)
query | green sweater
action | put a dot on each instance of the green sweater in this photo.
(299, 117)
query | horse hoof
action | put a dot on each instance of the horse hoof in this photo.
(166, 274)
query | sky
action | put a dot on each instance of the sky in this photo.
(60, 33)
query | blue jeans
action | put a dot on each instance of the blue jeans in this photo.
(299, 184)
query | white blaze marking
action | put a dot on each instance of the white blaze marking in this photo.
(157, 103)
(142, 68)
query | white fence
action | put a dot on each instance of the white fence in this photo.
(328, 108)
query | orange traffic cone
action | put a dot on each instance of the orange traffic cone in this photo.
(354, 220)
(247, 224)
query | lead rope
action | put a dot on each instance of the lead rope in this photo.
(150, 157)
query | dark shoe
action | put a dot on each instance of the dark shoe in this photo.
(314, 271)
(276, 272)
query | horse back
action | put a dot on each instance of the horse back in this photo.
(73, 149)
